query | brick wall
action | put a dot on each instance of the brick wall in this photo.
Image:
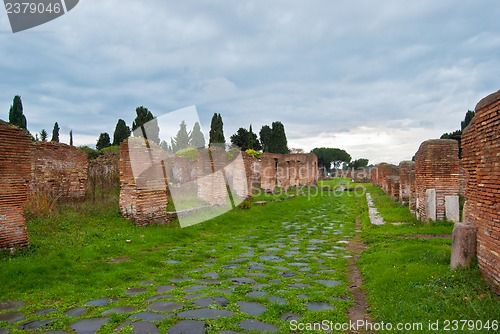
(59, 169)
(436, 167)
(407, 184)
(143, 183)
(481, 163)
(380, 174)
(288, 170)
(15, 174)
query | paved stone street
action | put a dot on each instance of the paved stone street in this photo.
(290, 268)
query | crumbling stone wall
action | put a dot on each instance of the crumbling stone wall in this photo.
(288, 170)
(380, 174)
(436, 177)
(407, 184)
(15, 174)
(481, 163)
(60, 170)
(392, 187)
(143, 182)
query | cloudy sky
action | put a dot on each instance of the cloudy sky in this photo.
(375, 78)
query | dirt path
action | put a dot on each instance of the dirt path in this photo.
(358, 312)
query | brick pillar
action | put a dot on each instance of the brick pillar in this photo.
(143, 185)
(15, 174)
(436, 167)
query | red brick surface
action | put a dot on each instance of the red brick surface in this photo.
(143, 183)
(407, 184)
(15, 174)
(59, 169)
(481, 163)
(436, 167)
(288, 170)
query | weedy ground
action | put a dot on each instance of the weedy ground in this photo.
(87, 251)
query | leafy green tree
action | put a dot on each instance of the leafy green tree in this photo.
(240, 139)
(122, 132)
(71, 137)
(103, 141)
(197, 139)
(265, 137)
(340, 156)
(329, 158)
(146, 125)
(358, 163)
(181, 140)
(16, 116)
(217, 131)
(279, 143)
(55, 133)
(91, 153)
(43, 135)
(245, 139)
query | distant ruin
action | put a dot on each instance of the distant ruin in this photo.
(151, 178)
(59, 169)
(288, 170)
(15, 175)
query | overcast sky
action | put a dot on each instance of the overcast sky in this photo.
(375, 78)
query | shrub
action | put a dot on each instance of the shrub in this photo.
(254, 153)
(190, 153)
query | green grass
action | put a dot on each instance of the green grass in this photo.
(71, 257)
(408, 279)
(73, 253)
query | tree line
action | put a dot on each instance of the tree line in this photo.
(271, 139)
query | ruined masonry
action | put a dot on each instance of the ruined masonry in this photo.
(59, 170)
(143, 190)
(481, 163)
(436, 180)
(287, 170)
(407, 184)
(15, 173)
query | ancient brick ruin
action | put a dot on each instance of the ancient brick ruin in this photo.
(481, 163)
(15, 174)
(59, 170)
(288, 170)
(437, 171)
(386, 176)
(143, 182)
(407, 195)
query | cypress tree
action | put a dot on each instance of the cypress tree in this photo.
(16, 116)
(55, 133)
(217, 131)
(147, 123)
(181, 141)
(71, 137)
(103, 141)
(43, 135)
(278, 143)
(265, 137)
(122, 132)
(197, 139)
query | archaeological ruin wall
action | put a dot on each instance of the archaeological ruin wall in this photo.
(481, 164)
(437, 180)
(143, 182)
(288, 170)
(15, 175)
(407, 194)
(59, 170)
